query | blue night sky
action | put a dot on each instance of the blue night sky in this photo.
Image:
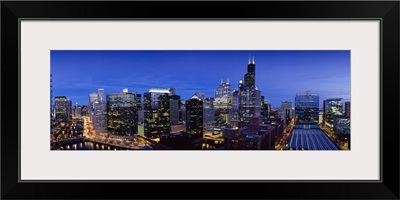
(279, 74)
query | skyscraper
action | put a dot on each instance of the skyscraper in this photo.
(249, 96)
(62, 108)
(77, 111)
(92, 98)
(101, 95)
(122, 113)
(235, 99)
(222, 104)
(307, 106)
(159, 106)
(174, 101)
(100, 116)
(265, 111)
(208, 113)
(194, 117)
(333, 107)
(224, 89)
(286, 110)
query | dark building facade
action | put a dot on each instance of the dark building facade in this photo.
(161, 110)
(347, 108)
(254, 136)
(122, 113)
(194, 117)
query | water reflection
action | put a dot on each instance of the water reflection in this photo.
(89, 146)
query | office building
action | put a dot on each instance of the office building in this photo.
(99, 120)
(222, 104)
(333, 107)
(307, 107)
(194, 117)
(101, 97)
(62, 108)
(77, 110)
(208, 113)
(122, 113)
(161, 108)
(235, 99)
(92, 98)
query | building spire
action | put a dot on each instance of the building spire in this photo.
(249, 59)
(253, 61)
(221, 81)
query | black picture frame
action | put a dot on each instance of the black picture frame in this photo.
(386, 11)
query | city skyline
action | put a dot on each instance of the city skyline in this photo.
(280, 74)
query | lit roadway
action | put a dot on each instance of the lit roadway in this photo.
(333, 137)
(219, 139)
(91, 135)
(286, 136)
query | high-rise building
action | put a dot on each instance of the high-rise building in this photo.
(84, 111)
(159, 106)
(174, 101)
(92, 98)
(62, 108)
(101, 98)
(307, 107)
(182, 111)
(224, 89)
(233, 116)
(235, 99)
(194, 117)
(77, 110)
(139, 102)
(208, 113)
(222, 104)
(266, 109)
(333, 107)
(347, 108)
(249, 96)
(341, 125)
(100, 116)
(286, 108)
(122, 113)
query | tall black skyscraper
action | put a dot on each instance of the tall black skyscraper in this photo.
(250, 76)
(194, 117)
(249, 96)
